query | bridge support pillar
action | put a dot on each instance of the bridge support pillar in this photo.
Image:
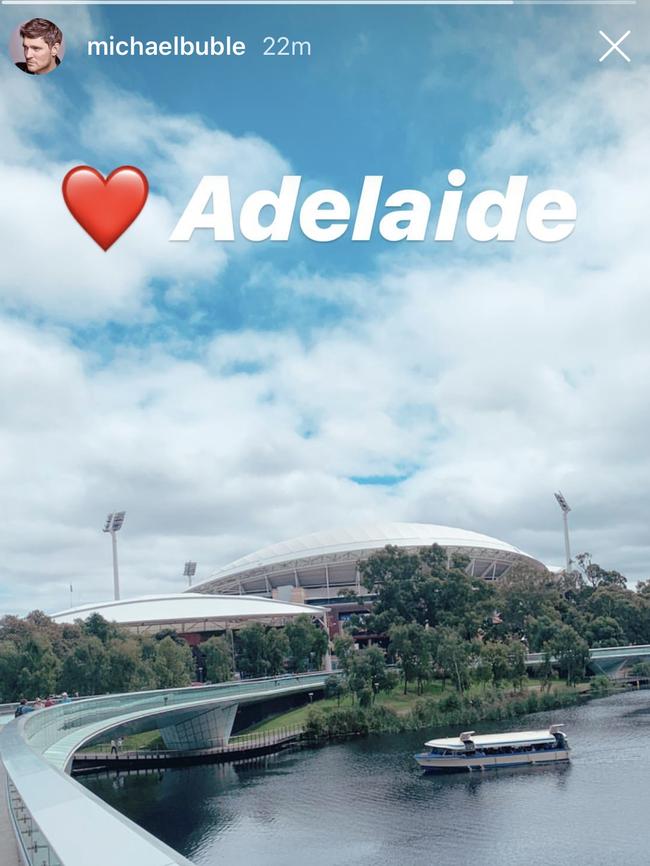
(205, 730)
(610, 669)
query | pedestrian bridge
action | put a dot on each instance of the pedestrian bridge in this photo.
(58, 822)
(604, 660)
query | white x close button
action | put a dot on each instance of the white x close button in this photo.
(614, 46)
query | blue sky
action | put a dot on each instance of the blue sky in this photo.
(406, 93)
(229, 397)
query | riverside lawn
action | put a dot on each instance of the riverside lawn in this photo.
(396, 711)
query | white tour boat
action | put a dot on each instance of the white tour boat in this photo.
(471, 751)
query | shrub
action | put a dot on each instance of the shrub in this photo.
(348, 720)
(315, 725)
(424, 713)
(383, 720)
(532, 702)
(518, 708)
(601, 684)
(548, 701)
(451, 703)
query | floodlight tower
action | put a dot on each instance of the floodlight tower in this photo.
(113, 525)
(190, 571)
(561, 501)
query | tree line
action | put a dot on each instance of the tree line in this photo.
(440, 622)
(429, 615)
(39, 657)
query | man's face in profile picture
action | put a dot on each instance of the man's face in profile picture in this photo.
(41, 46)
(39, 56)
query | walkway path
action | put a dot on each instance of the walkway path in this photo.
(239, 748)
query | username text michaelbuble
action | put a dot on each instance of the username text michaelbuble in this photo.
(176, 46)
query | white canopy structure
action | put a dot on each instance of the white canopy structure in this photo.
(190, 612)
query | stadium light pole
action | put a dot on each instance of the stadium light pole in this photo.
(190, 571)
(561, 501)
(113, 525)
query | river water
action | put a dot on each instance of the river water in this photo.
(366, 802)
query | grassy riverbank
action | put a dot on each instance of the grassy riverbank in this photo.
(435, 707)
(132, 743)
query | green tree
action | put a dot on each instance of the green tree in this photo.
(545, 670)
(605, 631)
(307, 643)
(381, 679)
(251, 650)
(426, 588)
(640, 669)
(97, 626)
(217, 651)
(173, 664)
(41, 667)
(517, 663)
(453, 657)
(482, 670)
(596, 576)
(410, 644)
(169, 632)
(261, 651)
(336, 687)
(125, 669)
(10, 666)
(541, 630)
(367, 674)
(526, 594)
(630, 610)
(571, 652)
(393, 575)
(343, 650)
(276, 647)
(85, 667)
(497, 658)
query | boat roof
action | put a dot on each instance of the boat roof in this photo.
(509, 738)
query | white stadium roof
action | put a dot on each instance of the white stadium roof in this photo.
(354, 543)
(189, 611)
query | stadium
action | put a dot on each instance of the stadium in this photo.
(319, 568)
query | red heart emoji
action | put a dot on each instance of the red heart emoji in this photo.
(105, 208)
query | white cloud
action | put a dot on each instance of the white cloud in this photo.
(199, 460)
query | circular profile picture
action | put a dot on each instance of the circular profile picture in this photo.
(37, 47)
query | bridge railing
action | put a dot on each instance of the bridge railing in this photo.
(603, 652)
(59, 823)
(33, 844)
(619, 651)
(43, 729)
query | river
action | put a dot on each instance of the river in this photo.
(365, 802)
